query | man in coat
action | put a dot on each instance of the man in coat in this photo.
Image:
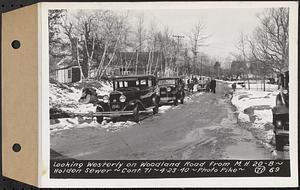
(213, 85)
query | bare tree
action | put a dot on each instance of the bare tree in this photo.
(115, 28)
(70, 31)
(270, 42)
(243, 52)
(86, 27)
(197, 38)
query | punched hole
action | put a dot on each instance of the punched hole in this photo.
(16, 147)
(16, 44)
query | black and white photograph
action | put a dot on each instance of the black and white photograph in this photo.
(203, 84)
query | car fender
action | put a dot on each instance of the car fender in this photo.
(103, 106)
(133, 103)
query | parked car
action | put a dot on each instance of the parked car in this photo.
(131, 95)
(281, 113)
(202, 82)
(171, 90)
(271, 81)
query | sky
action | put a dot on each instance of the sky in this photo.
(224, 26)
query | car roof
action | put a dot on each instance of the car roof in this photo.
(132, 77)
(167, 78)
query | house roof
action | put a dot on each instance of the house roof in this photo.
(66, 62)
(67, 67)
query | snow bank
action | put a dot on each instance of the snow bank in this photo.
(65, 96)
(77, 122)
(163, 109)
(254, 109)
(243, 117)
(114, 127)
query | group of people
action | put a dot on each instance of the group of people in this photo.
(210, 85)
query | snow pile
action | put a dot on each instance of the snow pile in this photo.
(69, 123)
(164, 108)
(82, 122)
(244, 99)
(254, 109)
(114, 127)
(65, 97)
(243, 117)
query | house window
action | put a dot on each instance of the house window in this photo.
(69, 74)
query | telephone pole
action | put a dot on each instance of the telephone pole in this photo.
(178, 42)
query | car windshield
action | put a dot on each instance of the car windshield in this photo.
(167, 81)
(132, 83)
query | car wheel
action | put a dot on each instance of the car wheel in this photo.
(99, 118)
(155, 109)
(136, 114)
(182, 98)
(176, 102)
(279, 143)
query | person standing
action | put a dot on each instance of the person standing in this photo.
(207, 85)
(213, 85)
(233, 86)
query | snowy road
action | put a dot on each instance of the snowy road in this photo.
(204, 127)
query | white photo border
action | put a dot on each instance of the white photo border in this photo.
(44, 132)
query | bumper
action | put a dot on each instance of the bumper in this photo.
(283, 133)
(113, 114)
(166, 99)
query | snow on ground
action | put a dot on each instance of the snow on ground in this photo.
(164, 108)
(77, 122)
(254, 85)
(254, 109)
(65, 97)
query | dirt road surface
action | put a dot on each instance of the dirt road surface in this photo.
(204, 127)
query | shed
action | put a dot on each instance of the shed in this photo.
(68, 74)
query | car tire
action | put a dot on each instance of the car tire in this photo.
(182, 98)
(99, 118)
(176, 102)
(155, 109)
(279, 143)
(136, 114)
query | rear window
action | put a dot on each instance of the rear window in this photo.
(167, 81)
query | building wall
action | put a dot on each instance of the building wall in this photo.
(64, 76)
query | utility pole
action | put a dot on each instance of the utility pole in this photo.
(177, 53)
(201, 66)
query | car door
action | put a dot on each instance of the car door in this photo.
(145, 92)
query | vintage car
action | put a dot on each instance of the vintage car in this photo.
(171, 90)
(281, 113)
(131, 95)
(202, 82)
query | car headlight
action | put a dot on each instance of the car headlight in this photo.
(279, 124)
(105, 99)
(169, 89)
(285, 91)
(122, 98)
